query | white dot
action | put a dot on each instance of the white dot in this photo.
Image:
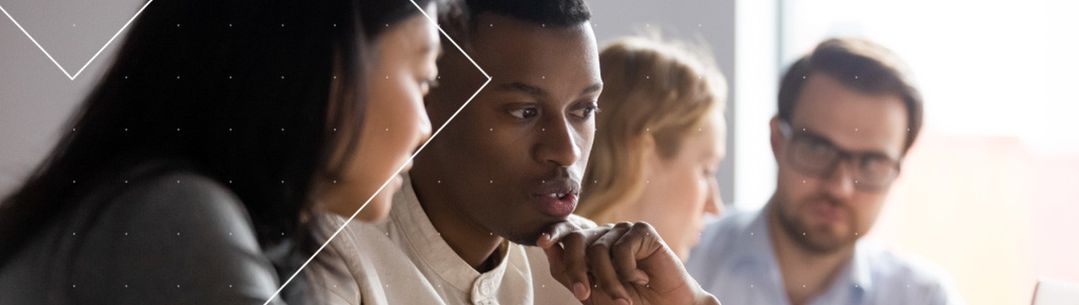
(855, 77)
(177, 25)
(282, 25)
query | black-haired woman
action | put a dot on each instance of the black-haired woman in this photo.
(193, 171)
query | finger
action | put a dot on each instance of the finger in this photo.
(554, 262)
(599, 262)
(575, 267)
(635, 252)
(555, 233)
(624, 256)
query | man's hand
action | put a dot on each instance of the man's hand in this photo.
(624, 263)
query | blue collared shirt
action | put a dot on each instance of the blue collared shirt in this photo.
(735, 262)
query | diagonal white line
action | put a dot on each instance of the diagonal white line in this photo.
(402, 167)
(69, 75)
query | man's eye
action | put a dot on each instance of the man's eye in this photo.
(586, 112)
(524, 113)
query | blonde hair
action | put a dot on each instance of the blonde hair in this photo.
(652, 87)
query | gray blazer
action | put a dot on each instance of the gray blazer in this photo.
(178, 238)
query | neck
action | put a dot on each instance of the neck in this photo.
(474, 244)
(806, 273)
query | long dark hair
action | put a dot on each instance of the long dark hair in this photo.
(236, 90)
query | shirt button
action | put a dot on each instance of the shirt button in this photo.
(485, 287)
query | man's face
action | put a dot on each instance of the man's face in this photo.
(511, 162)
(829, 212)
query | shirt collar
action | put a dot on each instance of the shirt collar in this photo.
(426, 242)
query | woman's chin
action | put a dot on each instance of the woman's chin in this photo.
(379, 208)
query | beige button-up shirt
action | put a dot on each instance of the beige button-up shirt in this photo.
(405, 261)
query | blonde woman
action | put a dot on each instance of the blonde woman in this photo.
(659, 139)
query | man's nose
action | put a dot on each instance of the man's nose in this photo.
(839, 181)
(557, 143)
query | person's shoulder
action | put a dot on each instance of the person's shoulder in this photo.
(185, 231)
(918, 277)
(179, 193)
(725, 229)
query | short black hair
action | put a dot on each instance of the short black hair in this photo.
(462, 14)
(547, 12)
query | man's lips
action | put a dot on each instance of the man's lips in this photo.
(556, 205)
(556, 198)
(826, 211)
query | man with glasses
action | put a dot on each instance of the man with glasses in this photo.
(847, 116)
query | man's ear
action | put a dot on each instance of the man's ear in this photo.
(776, 137)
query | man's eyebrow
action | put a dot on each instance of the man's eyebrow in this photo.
(539, 92)
(874, 151)
(522, 87)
